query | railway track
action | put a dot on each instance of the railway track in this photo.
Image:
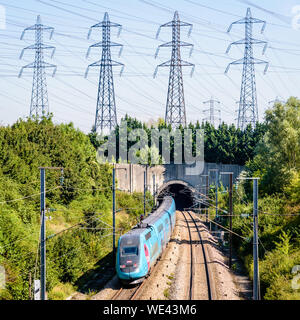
(195, 263)
(191, 295)
(128, 293)
(198, 267)
(132, 293)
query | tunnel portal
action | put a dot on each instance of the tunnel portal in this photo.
(181, 192)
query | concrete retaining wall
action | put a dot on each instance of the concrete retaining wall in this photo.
(130, 177)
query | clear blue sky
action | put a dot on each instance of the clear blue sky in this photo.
(73, 98)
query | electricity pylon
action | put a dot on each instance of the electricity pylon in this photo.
(211, 118)
(175, 109)
(39, 98)
(106, 112)
(248, 110)
(277, 100)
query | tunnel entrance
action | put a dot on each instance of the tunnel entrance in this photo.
(182, 194)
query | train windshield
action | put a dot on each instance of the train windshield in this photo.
(130, 251)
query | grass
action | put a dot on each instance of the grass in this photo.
(234, 267)
(169, 283)
(171, 276)
(167, 293)
(61, 291)
(90, 294)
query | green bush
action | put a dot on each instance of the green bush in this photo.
(84, 202)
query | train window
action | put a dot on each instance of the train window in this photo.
(130, 251)
(148, 235)
(160, 228)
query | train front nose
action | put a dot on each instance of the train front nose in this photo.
(129, 266)
(128, 256)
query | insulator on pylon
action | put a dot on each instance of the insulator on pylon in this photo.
(248, 109)
(175, 108)
(106, 112)
(39, 99)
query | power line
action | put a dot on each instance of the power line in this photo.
(39, 98)
(27, 197)
(106, 112)
(248, 109)
(211, 118)
(175, 109)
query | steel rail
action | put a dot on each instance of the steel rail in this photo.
(208, 280)
(191, 295)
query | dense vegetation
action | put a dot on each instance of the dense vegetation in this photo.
(277, 164)
(225, 144)
(271, 152)
(79, 233)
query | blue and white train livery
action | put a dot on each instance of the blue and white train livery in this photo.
(139, 249)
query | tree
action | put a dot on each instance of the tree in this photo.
(278, 154)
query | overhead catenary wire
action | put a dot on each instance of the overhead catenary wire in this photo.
(30, 196)
(219, 225)
(30, 235)
(75, 249)
(53, 235)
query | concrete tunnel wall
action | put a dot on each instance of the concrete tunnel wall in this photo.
(132, 179)
(171, 179)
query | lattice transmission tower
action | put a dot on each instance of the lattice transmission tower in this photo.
(277, 100)
(212, 118)
(175, 109)
(248, 109)
(106, 112)
(39, 98)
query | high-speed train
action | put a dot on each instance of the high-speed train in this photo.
(139, 249)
